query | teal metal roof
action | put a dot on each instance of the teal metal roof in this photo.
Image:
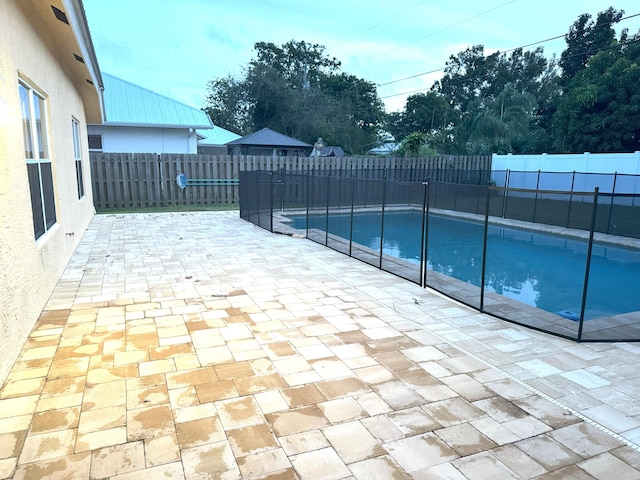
(216, 136)
(132, 105)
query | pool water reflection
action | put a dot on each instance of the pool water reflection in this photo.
(537, 269)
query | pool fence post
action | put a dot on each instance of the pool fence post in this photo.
(484, 248)
(258, 198)
(364, 190)
(308, 194)
(282, 188)
(425, 232)
(613, 191)
(585, 285)
(573, 182)
(270, 201)
(535, 202)
(353, 195)
(326, 222)
(339, 188)
(384, 199)
(505, 193)
(455, 196)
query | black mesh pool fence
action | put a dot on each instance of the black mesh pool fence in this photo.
(335, 211)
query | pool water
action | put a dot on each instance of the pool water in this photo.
(537, 269)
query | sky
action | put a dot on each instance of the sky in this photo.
(174, 47)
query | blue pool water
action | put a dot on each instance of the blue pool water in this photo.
(537, 269)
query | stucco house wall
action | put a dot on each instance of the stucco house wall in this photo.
(30, 267)
(145, 139)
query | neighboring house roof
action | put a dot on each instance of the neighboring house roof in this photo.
(329, 151)
(128, 104)
(385, 148)
(268, 137)
(216, 136)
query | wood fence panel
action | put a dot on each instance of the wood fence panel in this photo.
(116, 184)
(166, 179)
(146, 173)
(138, 186)
(97, 181)
(124, 180)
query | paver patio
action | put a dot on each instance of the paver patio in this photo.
(196, 345)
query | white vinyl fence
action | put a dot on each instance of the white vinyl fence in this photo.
(611, 172)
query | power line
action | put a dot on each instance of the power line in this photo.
(594, 51)
(506, 51)
(377, 25)
(446, 28)
(442, 68)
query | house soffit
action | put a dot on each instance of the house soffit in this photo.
(62, 26)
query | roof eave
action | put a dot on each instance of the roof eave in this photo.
(80, 27)
(154, 125)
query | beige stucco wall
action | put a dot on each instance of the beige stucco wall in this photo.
(29, 269)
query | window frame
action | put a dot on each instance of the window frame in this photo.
(98, 135)
(77, 155)
(37, 155)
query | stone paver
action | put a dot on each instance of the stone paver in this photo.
(197, 345)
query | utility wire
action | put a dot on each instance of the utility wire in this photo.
(446, 28)
(506, 51)
(377, 25)
(443, 68)
(557, 60)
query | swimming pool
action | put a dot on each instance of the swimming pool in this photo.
(541, 270)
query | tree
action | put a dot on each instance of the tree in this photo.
(357, 104)
(586, 38)
(415, 145)
(426, 113)
(227, 104)
(503, 124)
(600, 110)
(521, 103)
(300, 64)
(465, 76)
(500, 99)
(297, 90)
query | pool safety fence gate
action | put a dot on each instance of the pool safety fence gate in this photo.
(334, 208)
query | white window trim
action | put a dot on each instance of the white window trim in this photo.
(35, 145)
(77, 156)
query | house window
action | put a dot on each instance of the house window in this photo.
(95, 143)
(36, 153)
(77, 155)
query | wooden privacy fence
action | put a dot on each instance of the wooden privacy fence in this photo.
(146, 180)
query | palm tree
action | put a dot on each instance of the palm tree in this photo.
(502, 123)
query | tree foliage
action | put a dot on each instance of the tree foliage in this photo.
(586, 38)
(503, 102)
(297, 90)
(493, 100)
(520, 102)
(503, 123)
(600, 112)
(415, 145)
(227, 104)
